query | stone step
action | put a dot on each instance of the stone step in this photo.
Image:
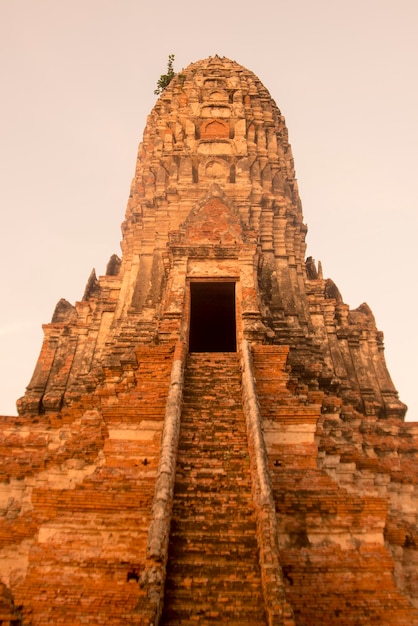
(220, 464)
(215, 533)
(212, 565)
(209, 615)
(218, 504)
(204, 591)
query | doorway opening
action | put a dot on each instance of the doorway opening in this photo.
(212, 317)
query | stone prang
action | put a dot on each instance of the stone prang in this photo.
(210, 435)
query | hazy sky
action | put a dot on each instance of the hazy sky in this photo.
(77, 80)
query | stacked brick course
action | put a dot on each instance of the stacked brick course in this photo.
(275, 485)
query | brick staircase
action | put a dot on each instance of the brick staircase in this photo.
(213, 573)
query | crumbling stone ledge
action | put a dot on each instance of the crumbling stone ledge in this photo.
(278, 609)
(153, 577)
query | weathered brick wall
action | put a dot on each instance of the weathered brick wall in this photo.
(331, 535)
(369, 456)
(77, 503)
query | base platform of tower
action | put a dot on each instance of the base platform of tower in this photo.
(210, 434)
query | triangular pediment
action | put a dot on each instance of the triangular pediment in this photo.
(215, 223)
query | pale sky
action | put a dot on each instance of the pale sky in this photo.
(77, 80)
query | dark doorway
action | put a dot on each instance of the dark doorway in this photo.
(212, 317)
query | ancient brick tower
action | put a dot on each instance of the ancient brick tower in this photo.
(210, 435)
